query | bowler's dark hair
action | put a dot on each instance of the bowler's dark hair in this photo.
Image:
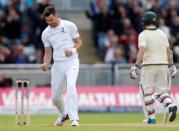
(49, 10)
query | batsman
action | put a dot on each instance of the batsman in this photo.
(155, 57)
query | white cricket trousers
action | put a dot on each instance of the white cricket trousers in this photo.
(64, 74)
(154, 95)
(155, 82)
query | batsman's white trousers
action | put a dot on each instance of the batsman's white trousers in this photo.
(64, 74)
(154, 78)
(142, 97)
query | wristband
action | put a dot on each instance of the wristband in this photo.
(73, 50)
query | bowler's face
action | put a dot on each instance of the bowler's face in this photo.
(52, 20)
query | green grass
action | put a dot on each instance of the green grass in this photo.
(90, 122)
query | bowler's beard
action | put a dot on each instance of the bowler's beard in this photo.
(55, 24)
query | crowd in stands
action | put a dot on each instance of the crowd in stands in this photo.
(117, 23)
(21, 24)
(115, 28)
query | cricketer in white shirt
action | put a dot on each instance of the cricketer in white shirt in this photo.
(155, 54)
(61, 38)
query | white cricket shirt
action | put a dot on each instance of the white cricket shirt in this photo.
(155, 42)
(60, 38)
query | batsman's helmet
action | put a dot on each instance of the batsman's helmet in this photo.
(150, 18)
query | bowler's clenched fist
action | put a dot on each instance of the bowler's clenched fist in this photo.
(68, 53)
(44, 66)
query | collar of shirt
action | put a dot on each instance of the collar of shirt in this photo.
(151, 27)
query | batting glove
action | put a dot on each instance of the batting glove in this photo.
(134, 72)
(172, 71)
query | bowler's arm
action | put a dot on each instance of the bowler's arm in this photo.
(48, 55)
(78, 43)
(47, 58)
(77, 46)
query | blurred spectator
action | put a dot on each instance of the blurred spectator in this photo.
(38, 24)
(132, 48)
(163, 27)
(20, 57)
(30, 51)
(149, 4)
(11, 57)
(101, 23)
(17, 55)
(135, 13)
(3, 3)
(111, 43)
(128, 37)
(176, 49)
(38, 57)
(118, 56)
(4, 53)
(156, 7)
(13, 26)
(132, 53)
(175, 26)
(118, 15)
(126, 22)
(95, 6)
(5, 81)
(94, 10)
(2, 23)
(21, 24)
(26, 36)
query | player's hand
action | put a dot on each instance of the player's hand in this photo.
(134, 72)
(70, 52)
(172, 71)
(44, 66)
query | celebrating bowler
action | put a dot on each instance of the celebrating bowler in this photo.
(61, 38)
